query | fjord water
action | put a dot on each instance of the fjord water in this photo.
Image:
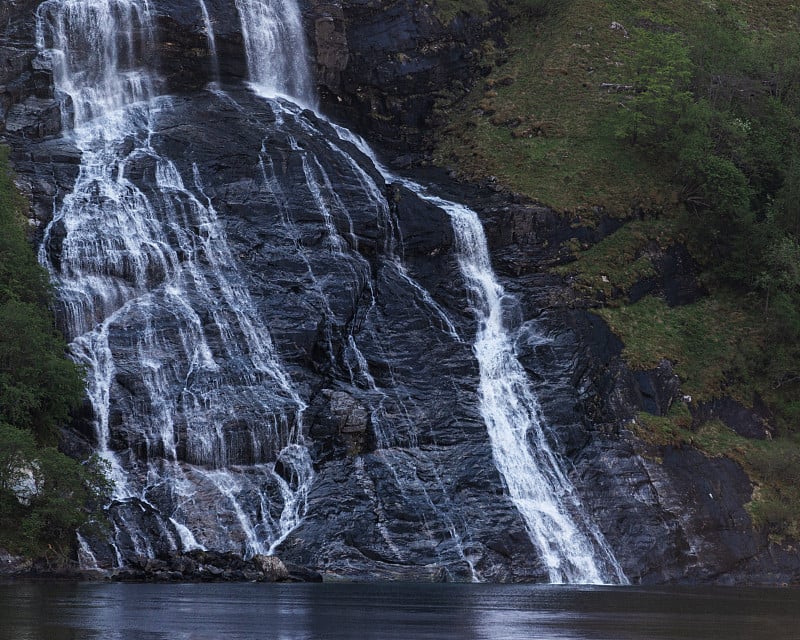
(34, 611)
(207, 412)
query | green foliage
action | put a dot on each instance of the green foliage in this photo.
(44, 495)
(17, 449)
(621, 259)
(786, 205)
(38, 384)
(661, 75)
(720, 50)
(21, 277)
(537, 8)
(704, 359)
(784, 53)
(714, 183)
(672, 429)
(775, 466)
(446, 10)
(781, 268)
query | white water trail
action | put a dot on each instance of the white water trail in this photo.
(572, 547)
(212, 42)
(275, 46)
(130, 259)
(119, 263)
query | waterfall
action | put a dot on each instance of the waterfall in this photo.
(572, 548)
(212, 41)
(275, 45)
(152, 300)
(99, 50)
(193, 406)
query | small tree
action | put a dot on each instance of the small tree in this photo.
(662, 74)
(39, 386)
(45, 496)
(69, 495)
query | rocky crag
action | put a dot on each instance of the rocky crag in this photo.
(359, 337)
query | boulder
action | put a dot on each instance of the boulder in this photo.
(271, 567)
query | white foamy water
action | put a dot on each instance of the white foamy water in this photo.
(145, 277)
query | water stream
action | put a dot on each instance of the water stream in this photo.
(126, 251)
(192, 402)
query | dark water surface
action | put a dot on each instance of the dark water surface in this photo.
(370, 611)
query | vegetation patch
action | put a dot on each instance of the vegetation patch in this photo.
(543, 125)
(684, 116)
(772, 465)
(447, 10)
(44, 495)
(616, 263)
(672, 429)
(708, 341)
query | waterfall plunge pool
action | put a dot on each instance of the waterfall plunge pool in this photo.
(83, 611)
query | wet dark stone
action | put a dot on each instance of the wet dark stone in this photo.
(405, 484)
(755, 422)
(676, 279)
(382, 66)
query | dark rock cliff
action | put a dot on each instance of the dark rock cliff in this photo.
(390, 68)
(670, 514)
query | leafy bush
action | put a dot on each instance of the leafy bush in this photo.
(662, 72)
(447, 10)
(38, 385)
(44, 495)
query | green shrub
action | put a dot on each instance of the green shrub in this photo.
(44, 495)
(662, 73)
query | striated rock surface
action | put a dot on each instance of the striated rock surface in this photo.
(388, 68)
(404, 485)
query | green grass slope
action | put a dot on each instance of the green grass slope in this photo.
(681, 117)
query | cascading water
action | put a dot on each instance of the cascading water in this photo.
(276, 49)
(153, 301)
(572, 548)
(212, 41)
(198, 414)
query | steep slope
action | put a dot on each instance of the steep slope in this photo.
(357, 284)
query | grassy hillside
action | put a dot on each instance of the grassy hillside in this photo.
(681, 117)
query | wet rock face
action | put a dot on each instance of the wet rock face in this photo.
(26, 94)
(385, 67)
(184, 52)
(670, 514)
(405, 486)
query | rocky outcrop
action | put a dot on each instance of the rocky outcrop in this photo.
(11, 565)
(27, 105)
(365, 346)
(753, 422)
(210, 566)
(671, 513)
(192, 566)
(389, 68)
